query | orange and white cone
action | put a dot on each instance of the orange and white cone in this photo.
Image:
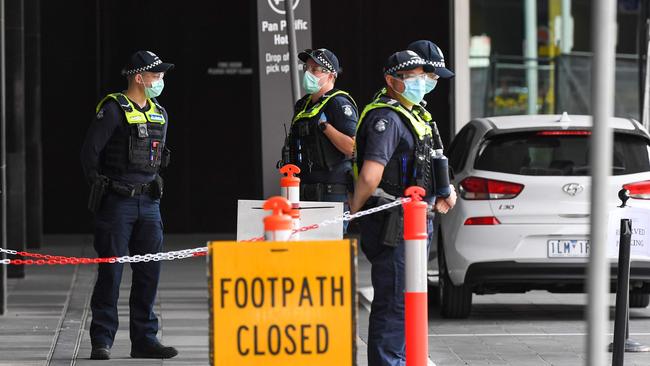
(290, 189)
(278, 225)
(415, 266)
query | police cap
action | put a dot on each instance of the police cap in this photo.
(433, 55)
(323, 57)
(145, 61)
(405, 60)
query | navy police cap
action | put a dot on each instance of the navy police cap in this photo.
(405, 60)
(145, 61)
(432, 54)
(323, 57)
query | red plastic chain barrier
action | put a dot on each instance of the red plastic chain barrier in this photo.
(47, 259)
(63, 260)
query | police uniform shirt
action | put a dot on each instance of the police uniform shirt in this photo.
(382, 135)
(341, 114)
(110, 120)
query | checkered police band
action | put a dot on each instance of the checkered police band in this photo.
(144, 68)
(321, 57)
(406, 64)
(436, 64)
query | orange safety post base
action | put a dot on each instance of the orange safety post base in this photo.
(417, 332)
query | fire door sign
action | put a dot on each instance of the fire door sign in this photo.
(283, 303)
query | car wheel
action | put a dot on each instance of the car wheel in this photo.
(455, 301)
(433, 296)
(639, 300)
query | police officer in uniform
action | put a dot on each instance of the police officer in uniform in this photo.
(122, 155)
(321, 140)
(433, 55)
(394, 151)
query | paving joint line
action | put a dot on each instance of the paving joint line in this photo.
(55, 340)
(71, 328)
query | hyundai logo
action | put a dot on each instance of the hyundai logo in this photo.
(573, 188)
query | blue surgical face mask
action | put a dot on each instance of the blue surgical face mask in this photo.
(414, 90)
(155, 89)
(430, 85)
(311, 83)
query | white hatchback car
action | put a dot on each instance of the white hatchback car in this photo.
(522, 217)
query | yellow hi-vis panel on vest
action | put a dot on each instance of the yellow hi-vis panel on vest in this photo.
(134, 116)
(283, 303)
(310, 110)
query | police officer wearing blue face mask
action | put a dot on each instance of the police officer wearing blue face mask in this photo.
(122, 155)
(394, 151)
(321, 139)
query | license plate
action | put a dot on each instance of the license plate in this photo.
(568, 248)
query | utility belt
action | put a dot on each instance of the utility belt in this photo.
(130, 190)
(102, 184)
(386, 197)
(317, 191)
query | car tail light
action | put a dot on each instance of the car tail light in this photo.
(482, 220)
(564, 133)
(475, 188)
(640, 190)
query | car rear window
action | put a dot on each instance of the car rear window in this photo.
(533, 153)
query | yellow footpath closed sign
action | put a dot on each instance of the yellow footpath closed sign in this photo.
(283, 303)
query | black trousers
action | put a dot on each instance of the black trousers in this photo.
(126, 225)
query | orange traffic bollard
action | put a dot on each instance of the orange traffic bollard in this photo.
(290, 189)
(278, 225)
(415, 265)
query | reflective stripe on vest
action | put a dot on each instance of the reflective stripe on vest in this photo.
(316, 108)
(420, 127)
(133, 115)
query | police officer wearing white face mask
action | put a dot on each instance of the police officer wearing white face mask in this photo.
(122, 155)
(321, 138)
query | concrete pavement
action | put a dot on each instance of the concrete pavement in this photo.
(47, 322)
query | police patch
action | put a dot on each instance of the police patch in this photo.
(347, 110)
(100, 114)
(380, 126)
(156, 117)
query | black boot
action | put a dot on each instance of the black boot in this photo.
(155, 350)
(100, 352)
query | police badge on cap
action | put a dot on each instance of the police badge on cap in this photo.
(142, 61)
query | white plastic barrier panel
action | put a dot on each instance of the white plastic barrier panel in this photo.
(250, 215)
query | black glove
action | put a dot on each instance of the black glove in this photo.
(354, 227)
